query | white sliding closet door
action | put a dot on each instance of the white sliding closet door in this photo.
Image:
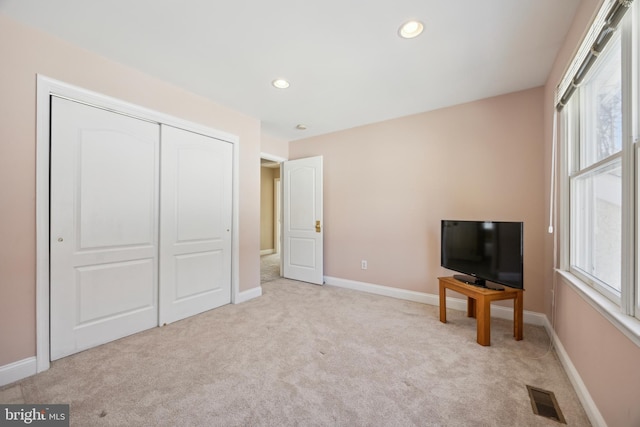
(195, 225)
(104, 226)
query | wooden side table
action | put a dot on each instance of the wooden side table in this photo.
(479, 306)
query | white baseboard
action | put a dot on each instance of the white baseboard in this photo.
(383, 290)
(578, 385)
(17, 370)
(267, 252)
(497, 311)
(248, 295)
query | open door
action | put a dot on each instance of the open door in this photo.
(303, 227)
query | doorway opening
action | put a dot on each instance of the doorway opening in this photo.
(270, 219)
(299, 245)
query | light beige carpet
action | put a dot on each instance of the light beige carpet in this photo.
(269, 267)
(311, 356)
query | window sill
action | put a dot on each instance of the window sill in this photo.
(628, 325)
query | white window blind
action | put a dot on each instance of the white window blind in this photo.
(605, 23)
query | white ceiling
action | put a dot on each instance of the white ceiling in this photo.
(346, 64)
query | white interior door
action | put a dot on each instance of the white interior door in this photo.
(303, 227)
(104, 222)
(195, 225)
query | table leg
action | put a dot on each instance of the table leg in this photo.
(471, 307)
(484, 321)
(517, 316)
(443, 303)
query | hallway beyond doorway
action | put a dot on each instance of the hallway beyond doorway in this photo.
(269, 267)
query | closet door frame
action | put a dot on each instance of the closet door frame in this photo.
(46, 88)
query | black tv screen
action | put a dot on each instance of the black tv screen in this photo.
(486, 250)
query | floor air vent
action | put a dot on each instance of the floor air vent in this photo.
(544, 404)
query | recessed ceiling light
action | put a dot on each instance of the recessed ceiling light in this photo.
(301, 127)
(411, 29)
(280, 83)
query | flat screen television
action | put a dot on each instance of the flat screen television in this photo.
(484, 251)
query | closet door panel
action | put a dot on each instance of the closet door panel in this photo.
(195, 227)
(104, 226)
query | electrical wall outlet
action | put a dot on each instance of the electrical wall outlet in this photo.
(363, 264)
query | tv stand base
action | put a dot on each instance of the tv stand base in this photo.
(470, 280)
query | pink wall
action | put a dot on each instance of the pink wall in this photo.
(388, 185)
(605, 359)
(274, 146)
(26, 52)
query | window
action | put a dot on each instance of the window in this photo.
(599, 128)
(596, 175)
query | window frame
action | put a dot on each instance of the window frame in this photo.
(579, 115)
(594, 282)
(630, 50)
(624, 311)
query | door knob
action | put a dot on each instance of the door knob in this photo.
(318, 226)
